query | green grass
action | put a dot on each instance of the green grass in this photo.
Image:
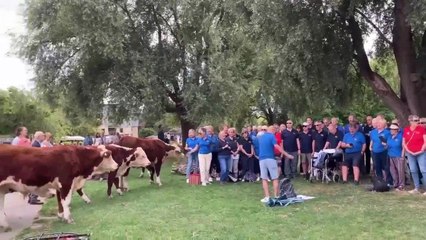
(179, 211)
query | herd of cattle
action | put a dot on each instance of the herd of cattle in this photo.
(61, 170)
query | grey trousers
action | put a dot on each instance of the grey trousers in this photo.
(397, 170)
(290, 165)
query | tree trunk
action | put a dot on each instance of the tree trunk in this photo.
(405, 56)
(185, 125)
(376, 81)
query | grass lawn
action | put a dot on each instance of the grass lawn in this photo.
(179, 211)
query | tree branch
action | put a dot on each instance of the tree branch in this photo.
(381, 34)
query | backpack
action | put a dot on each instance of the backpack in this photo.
(249, 177)
(287, 195)
(286, 189)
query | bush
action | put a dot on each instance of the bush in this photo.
(146, 132)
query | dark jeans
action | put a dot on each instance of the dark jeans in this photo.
(367, 161)
(215, 163)
(256, 167)
(379, 160)
(247, 164)
(224, 161)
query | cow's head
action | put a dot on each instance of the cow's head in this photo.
(108, 164)
(174, 150)
(139, 159)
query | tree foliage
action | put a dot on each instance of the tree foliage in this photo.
(207, 61)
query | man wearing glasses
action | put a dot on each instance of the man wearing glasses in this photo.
(305, 139)
(319, 137)
(291, 144)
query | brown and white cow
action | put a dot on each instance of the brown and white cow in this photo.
(125, 158)
(43, 170)
(155, 149)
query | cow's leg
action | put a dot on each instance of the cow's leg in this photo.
(85, 198)
(111, 177)
(124, 183)
(66, 196)
(151, 174)
(142, 172)
(60, 208)
(4, 226)
(117, 185)
(157, 173)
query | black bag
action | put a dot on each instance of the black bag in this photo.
(380, 185)
(249, 177)
(286, 189)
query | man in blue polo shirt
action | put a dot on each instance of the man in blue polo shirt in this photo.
(305, 139)
(267, 162)
(319, 137)
(354, 143)
(291, 144)
(378, 139)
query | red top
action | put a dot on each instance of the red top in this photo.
(414, 139)
(279, 140)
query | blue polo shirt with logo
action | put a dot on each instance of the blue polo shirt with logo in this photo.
(320, 140)
(334, 139)
(305, 142)
(266, 146)
(204, 145)
(289, 138)
(395, 145)
(191, 142)
(357, 140)
(377, 146)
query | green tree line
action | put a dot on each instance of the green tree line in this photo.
(208, 61)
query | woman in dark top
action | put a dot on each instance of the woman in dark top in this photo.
(246, 156)
(224, 156)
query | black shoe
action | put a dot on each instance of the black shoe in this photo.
(35, 202)
(344, 182)
(356, 183)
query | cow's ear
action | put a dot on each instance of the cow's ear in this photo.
(136, 155)
(106, 154)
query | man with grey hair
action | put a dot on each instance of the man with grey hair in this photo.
(38, 139)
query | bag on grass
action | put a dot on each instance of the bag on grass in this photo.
(250, 177)
(287, 189)
(287, 195)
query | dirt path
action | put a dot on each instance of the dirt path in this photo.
(19, 214)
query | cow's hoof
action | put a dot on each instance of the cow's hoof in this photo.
(5, 229)
(88, 202)
(141, 175)
(70, 221)
(159, 184)
(151, 182)
(110, 196)
(120, 192)
(60, 216)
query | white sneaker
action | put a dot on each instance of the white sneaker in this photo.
(265, 199)
(414, 191)
(424, 194)
(204, 184)
(187, 180)
(210, 179)
(217, 179)
(257, 179)
(269, 180)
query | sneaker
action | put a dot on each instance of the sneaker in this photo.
(187, 180)
(344, 182)
(356, 183)
(269, 180)
(414, 191)
(257, 179)
(232, 178)
(204, 184)
(242, 180)
(424, 194)
(217, 179)
(265, 200)
(210, 179)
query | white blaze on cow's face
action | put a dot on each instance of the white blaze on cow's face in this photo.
(108, 164)
(141, 160)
